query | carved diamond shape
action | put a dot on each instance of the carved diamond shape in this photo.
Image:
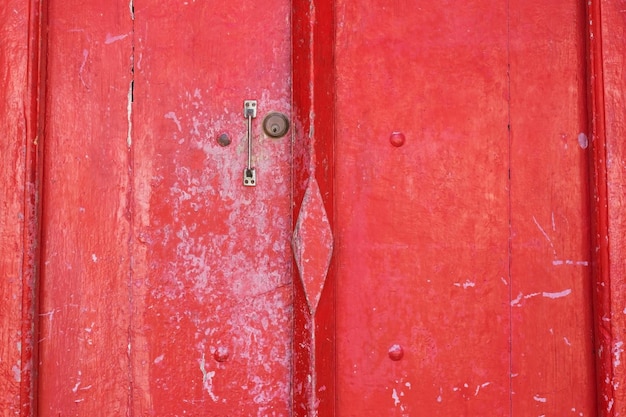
(313, 244)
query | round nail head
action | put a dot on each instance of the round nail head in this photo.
(224, 139)
(221, 354)
(396, 352)
(397, 139)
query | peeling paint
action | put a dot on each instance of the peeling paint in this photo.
(207, 379)
(618, 349)
(129, 109)
(17, 373)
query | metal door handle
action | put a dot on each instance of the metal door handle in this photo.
(249, 174)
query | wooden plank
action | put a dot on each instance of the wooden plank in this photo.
(212, 294)
(14, 18)
(19, 219)
(607, 83)
(313, 166)
(84, 340)
(422, 213)
(552, 345)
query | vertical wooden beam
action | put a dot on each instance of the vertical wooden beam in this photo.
(20, 179)
(313, 194)
(607, 100)
(83, 343)
(34, 114)
(552, 316)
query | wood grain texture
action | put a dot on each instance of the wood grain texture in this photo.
(14, 18)
(552, 318)
(84, 340)
(314, 360)
(212, 295)
(607, 83)
(423, 230)
(462, 243)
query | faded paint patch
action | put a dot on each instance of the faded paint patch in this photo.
(583, 140)
(17, 373)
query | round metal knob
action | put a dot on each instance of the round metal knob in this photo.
(275, 125)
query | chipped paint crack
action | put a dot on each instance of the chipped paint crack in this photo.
(131, 87)
(129, 137)
(207, 379)
(556, 261)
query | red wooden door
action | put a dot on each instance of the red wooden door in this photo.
(437, 151)
(166, 281)
(464, 284)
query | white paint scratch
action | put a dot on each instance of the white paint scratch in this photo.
(552, 295)
(207, 379)
(543, 232)
(618, 349)
(540, 399)
(467, 284)
(159, 359)
(82, 67)
(517, 299)
(94, 258)
(17, 373)
(395, 397)
(111, 39)
(172, 116)
(559, 262)
(559, 294)
(583, 140)
(129, 137)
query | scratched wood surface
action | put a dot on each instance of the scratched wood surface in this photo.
(166, 287)
(610, 41)
(552, 342)
(462, 246)
(212, 284)
(13, 61)
(85, 314)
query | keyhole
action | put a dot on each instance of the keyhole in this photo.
(276, 125)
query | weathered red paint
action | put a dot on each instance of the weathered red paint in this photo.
(468, 245)
(213, 259)
(606, 50)
(167, 288)
(19, 219)
(313, 98)
(462, 277)
(552, 342)
(84, 311)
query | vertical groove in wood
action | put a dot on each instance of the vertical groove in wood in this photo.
(84, 311)
(599, 223)
(606, 40)
(32, 244)
(19, 218)
(313, 29)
